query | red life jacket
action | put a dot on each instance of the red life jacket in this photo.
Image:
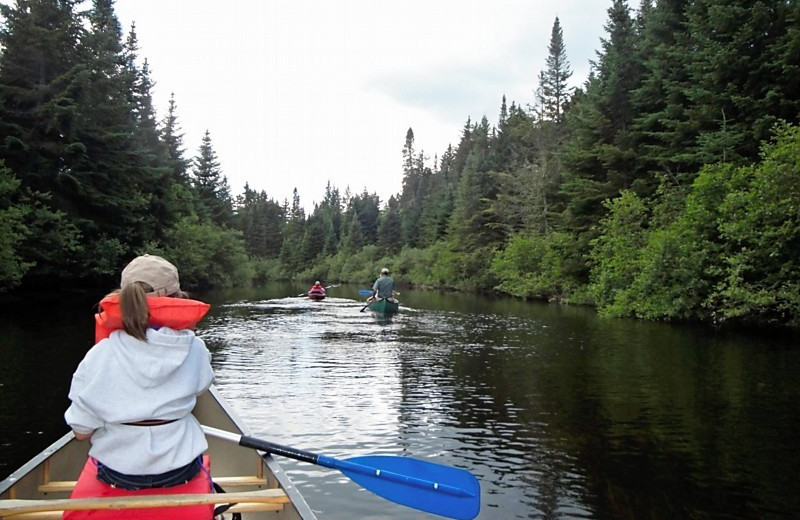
(175, 313)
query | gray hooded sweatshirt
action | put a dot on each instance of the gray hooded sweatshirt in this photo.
(123, 379)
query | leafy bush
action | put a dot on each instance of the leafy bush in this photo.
(537, 266)
(12, 232)
(206, 255)
(615, 253)
(760, 224)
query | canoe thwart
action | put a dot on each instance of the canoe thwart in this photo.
(244, 507)
(65, 486)
(13, 507)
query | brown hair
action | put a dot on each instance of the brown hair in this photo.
(134, 308)
(135, 311)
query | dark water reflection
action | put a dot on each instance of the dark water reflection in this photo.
(559, 414)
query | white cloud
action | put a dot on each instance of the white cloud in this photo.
(299, 93)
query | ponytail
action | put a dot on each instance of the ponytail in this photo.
(134, 308)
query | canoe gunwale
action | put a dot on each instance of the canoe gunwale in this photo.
(286, 484)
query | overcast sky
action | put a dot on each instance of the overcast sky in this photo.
(297, 93)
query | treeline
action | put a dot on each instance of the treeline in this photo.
(666, 187)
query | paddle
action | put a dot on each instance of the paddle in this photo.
(365, 306)
(326, 288)
(433, 488)
(365, 291)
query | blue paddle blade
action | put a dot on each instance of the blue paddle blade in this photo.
(364, 291)
(434, 488)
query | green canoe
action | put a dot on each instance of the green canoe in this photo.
(384, 305)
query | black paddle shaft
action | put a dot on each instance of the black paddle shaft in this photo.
(278, 449)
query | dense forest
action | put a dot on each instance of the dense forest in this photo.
(666, 187)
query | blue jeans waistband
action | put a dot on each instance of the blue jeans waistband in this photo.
(170, 478)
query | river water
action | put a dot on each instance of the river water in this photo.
(559, 413)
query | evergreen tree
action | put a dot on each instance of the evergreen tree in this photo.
(157, 182)
(105, 184)
(662, 130)
(554, 93)
(743, 77)
(353, 236)
(211, 185)
(390, 233)
(472, 223)
(40, 88)
(415, 185)
(172, 137)
(183, 196)
(331, 212)
(39, 65)
(313, 242)
(438, 204)
(598, 158)
(291, 254)
(367, 208)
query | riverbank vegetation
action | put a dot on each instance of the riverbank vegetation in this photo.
(666, 187)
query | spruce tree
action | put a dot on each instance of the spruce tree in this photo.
(40, 87)
(554, 92)
(390, 233)
(599, 157)
(415, 180)
(211, 185)
(331, 212)
(172, 136)
(291, 254)
(662, 130)
(472, 223)
(743, 77)
(152, 152)
(39, 65)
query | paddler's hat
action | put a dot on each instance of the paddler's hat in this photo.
(156, 272)
(384, 271)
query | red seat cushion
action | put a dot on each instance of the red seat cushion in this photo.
(89, 487)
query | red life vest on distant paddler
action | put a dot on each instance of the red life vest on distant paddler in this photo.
(175, 313)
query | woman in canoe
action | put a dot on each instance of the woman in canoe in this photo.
(133, 393)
